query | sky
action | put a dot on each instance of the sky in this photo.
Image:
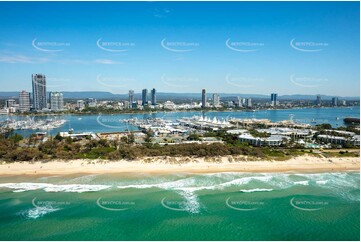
(224, 47)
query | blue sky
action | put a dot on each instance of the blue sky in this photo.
(233, 47)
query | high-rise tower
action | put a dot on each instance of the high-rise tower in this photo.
(39, 91)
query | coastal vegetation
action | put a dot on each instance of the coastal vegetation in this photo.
(14, 147)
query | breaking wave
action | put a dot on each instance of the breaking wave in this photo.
(79, 188)
(257, 190)
(37, 212)
(344, 185)
(304, 183)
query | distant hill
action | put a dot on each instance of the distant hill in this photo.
(313, 97)
(178, 96)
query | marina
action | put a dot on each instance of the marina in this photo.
(31, 124)
(115, 122)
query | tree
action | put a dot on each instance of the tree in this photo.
(148, 137)
(193, 137)
(16, 138)
(131, 138)
(48, 147)
(58, 137)
(323, 126)
(32, 139)
(8, 132)
(124, 139)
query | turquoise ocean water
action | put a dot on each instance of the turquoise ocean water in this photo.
(219, 206)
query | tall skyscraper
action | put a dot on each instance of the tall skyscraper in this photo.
(204, 98)
(131, 98)
(153, 96)
(243, 101)
(248, 102)
(56, 101)
(318, 100)
(24, 101)
(238, 102)
(216, 100)
(334, 101)
(274, 101)
(39, 91)
(145, 97)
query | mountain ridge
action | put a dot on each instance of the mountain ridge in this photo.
(169, 95)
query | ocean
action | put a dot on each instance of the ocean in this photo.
(218, 206)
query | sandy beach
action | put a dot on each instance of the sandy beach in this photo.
(182, 165)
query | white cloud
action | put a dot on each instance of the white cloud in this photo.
(107, 62)
(22, 59)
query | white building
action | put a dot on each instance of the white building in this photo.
(91, 102)
(11, 106)
(24, 101)
(273, 140)
(216, 100)
(80, 104)
(248, 102)
(339, 140)
(10, 103)
(239, 102)
(56, 101)
(237, 131)
(126, 104)
(291, 132)
(169, 105)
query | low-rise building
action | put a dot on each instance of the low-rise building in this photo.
(291, 132)
(80, 104)
(78, 135)
(273, 140)
(117, 135)
(349, 137)
(169, 105)
(332, 139)
(236, 131)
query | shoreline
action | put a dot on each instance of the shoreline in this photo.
(169, 165)
(171, 111)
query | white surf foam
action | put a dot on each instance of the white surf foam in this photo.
(22, 187)
(304, 183)
(322, 182)
(192, 204)
(37, 212)
(188, 187)
(184, 187)
(257, 190)
(245, 180)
